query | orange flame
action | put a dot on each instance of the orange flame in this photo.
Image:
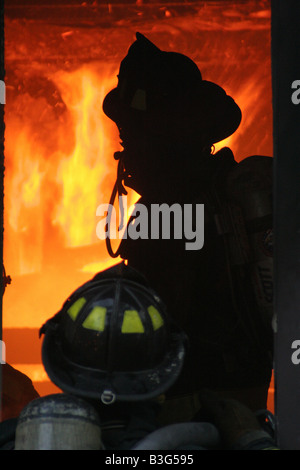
(82, 172)
(54, 186)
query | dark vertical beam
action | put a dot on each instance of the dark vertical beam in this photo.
(285, 71)
(2, 75)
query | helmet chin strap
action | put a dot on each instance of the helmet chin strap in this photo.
(119, 190)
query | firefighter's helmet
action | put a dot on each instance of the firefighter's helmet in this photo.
(165, 91)
(113, 340)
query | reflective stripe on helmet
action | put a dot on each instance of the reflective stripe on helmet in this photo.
(132, 322)
(95, 319)
(76, 307)
(156, 318)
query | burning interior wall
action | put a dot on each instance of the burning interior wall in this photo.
(60, 62)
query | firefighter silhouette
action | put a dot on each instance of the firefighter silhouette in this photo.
(169, 118)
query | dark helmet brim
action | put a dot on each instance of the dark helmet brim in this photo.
(123, 386)
(212, 114)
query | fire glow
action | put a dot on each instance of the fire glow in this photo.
(59, 145)
(75, 176)
(81, 173)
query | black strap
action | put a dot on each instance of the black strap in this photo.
(119, 190)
